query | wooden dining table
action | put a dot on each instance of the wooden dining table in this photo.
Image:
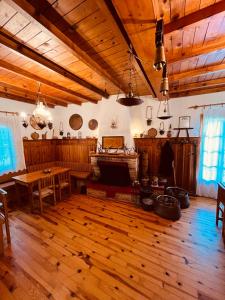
(31, 179)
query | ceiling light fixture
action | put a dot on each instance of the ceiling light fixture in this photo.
(132, 98)
(41, 112)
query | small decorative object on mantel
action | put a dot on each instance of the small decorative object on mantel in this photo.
(50, 124)
(34, 135)
(148, 115)
(68, 135)
(61, 128)
(44, 135)
(152, 133)
(79, 135)
(161, 128)
(169, 132)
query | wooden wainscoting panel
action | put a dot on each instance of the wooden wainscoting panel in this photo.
(39, 151)
(73, 150)
(185, 158)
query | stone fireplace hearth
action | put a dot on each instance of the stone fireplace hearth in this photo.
(125, 163)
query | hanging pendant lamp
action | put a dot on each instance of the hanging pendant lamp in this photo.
(41, 112)
(131, 98)
(164, 110)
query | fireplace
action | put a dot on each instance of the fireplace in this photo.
(114, 173)
(115, 169)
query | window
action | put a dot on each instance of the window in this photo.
(7, 150)
(212, 160)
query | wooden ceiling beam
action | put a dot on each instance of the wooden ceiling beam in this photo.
(206, 90)
(22, 97)
(110, 12)
(197, 50)
(24, 73)
(197, 72)
(13, 44)
(198, 85)
(195, 17)
(47, 16)
(48, 99)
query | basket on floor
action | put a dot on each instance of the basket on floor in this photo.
(167, 207)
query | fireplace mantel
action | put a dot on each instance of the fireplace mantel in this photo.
(131, 159)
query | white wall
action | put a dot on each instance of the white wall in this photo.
(178, 107)
(130, 121)
(104, 112)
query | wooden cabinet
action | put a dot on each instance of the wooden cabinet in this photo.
(185, 161)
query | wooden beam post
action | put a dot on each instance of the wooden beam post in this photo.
(11, 43)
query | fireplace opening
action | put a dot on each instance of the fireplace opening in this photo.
(114, 173)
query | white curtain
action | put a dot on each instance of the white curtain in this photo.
(13, 139)
(212, 152)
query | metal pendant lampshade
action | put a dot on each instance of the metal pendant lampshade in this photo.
(131, 98)
(164, 110)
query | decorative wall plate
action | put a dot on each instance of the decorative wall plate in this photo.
(76, 122)
(93, 124)
(152, 133)
(33, 123)
(35, 136)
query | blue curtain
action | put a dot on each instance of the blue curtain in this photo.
(7, 150)
(212, 156)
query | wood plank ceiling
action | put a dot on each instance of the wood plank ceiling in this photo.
(78, 49)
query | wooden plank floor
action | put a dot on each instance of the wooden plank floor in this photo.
(87, 248)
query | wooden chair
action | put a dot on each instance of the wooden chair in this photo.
(46, 188)
(64, 182)
(4, 213)
(220, 208)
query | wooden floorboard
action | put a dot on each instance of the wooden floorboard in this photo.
(95, 249)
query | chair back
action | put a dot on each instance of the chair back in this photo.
(3, 198)
(64, 177)
(47, 181)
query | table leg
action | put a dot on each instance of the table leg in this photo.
(1, 240)
(30, 196)
(18, 199)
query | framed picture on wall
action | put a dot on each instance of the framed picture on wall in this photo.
(113, 142)
(184, 122)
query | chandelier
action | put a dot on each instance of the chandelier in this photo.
(131, 98)
(41, 113)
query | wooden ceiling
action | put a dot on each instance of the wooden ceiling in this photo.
(78, 49)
